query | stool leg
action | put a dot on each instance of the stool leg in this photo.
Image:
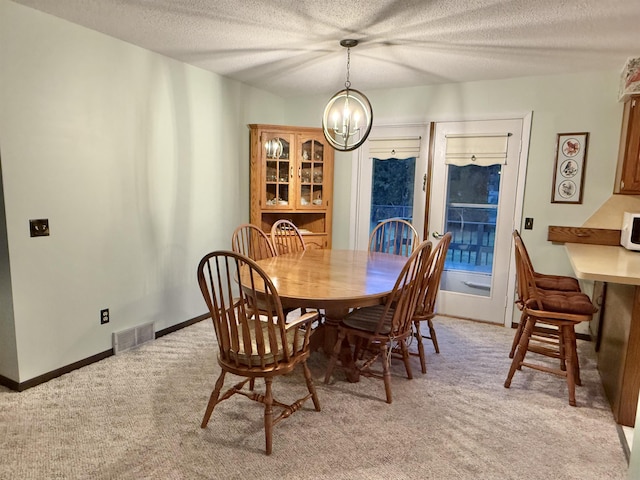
(570, 359)
(562, 349)
(516, 337)
(576, 362)
(521, 351)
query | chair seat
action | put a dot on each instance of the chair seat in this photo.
(575, 303)
(268, 358)
(367, 319)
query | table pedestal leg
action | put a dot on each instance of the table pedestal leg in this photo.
(325, 336)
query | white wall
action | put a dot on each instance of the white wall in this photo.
(561, 103)
(141, 165)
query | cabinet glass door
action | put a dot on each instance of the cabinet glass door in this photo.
(278, 171)
(311, 174)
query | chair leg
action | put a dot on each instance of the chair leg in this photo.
(516, 337)
(268, 414)
(386, 373)
(521, 351)
(405, 359)
(421, 354)
(334, 355)
(571, 382)
(310, 386)
(213, 399)
(434, 338)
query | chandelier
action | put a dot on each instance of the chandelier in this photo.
(348, 116)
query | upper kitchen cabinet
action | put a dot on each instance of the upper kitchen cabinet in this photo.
(292, 178)
(628, 170)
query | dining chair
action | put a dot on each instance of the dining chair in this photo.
(381, 327)
(251, 241)
(551, 308)
(426, 308)
(543, 282)
(286, 237)
(395, 236)
(251, 345)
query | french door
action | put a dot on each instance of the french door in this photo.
(391, 173)
(476, 193)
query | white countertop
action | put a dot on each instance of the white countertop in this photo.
(604, 263)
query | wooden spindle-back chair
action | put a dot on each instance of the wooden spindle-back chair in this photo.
(426, 309)
(395, 236)
(286, 238)
(251, 241)
(380, 327)
(253, 345)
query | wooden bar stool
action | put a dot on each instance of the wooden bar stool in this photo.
(545, 282)
(562, 310)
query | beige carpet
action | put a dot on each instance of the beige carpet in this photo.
(137, 416)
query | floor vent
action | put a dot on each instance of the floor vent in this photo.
(132, 337)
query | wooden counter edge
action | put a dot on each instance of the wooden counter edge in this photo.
(594, 236)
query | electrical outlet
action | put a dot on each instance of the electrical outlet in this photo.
(39, 227)
(528, 223)
(104, 316)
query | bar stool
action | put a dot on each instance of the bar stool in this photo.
(562, 310)
(557, 283)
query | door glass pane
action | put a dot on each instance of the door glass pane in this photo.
(392, 190)
(471, 214)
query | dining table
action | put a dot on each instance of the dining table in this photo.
(334, 281)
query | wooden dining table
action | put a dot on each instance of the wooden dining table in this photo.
(334, 281)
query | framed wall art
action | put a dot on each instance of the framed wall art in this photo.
(568, 174)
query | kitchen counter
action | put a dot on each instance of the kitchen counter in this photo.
(604, 263)
(619, 346)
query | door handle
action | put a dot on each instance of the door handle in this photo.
(437, 235)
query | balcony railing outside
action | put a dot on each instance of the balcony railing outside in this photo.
(473, 227)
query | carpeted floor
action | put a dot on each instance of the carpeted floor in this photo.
(137, 416)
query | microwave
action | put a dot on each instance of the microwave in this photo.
(630, 232)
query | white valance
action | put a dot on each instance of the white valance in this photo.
(402, 147)
(477, 149)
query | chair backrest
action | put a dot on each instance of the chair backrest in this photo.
(246, 339)
(395, 236)
(286, 238)
(402, 301)
(521, 286)
(525, 284)
(525, 253)
(251, 241)
(427, 302)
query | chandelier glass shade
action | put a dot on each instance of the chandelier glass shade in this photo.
(348, 116)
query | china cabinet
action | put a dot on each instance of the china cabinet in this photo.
(628, 171)
(292, 178)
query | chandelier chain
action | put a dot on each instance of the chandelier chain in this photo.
(347, 84)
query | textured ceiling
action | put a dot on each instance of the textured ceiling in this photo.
(291, 47)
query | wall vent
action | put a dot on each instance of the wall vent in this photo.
(132, 337)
